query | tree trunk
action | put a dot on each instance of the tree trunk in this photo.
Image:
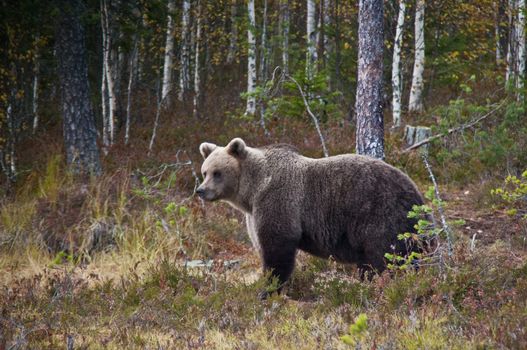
(197, 80)
(511, 44)
(500, 31)
(311, 35)
(79, 126)
(370, 127)
(326, 23)
(284, 25)
(184, 74)
(169, 54)
(416, 92)
(36, 74)
(251, 60)
(520, 34)
(132, 61)
(109, 72)
(397, 85)
(264, 52)
(234, 33)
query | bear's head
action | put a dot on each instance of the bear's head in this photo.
(221, 170)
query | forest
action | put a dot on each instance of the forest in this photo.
(105, 244)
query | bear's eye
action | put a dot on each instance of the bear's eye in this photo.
(216, 174)
(204, 174)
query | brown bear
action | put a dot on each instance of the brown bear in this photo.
(350, 207)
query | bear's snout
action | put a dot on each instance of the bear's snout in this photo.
(200, 192)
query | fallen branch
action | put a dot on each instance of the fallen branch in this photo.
(452, 130)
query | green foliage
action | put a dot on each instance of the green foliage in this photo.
(484, 148)
(357, 331)
(286, 99)
(514, 195)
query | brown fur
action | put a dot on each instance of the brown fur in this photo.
(350, 207)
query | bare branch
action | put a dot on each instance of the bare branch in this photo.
(452, 130)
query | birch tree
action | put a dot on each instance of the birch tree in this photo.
(108, 89)
(311, 35)
(36, 74)
(78, 119)
(370, 127)
(512, 43)
(416, 91)
(520, 33)
(233, 39)
(264, 51)
(284, 32)
(397, 85)
(326, 22)
(184, 73)
(251, 60)
(197, 80)
(167, 84)
(132, 67)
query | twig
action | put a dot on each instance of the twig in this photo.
(306, 103)
(444, 223)
(452, 130)
(160, 107)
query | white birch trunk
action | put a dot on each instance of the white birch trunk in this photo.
(36, 72)
(284, 18)
(251, 60)
(184, 74)
(197, 80)
(11, 142)
(511, 44)
(326, 23)
(264, 51)
(109, 74)
(520, 56)
(311, 35)
(234, 34)
(397, 85)
(132, 67)
(169, 54)
(416, 92)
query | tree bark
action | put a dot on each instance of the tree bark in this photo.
(284, 26)
(396, 66)
(109, 72)
(234, 33)
(416, 91)
(132, 61)
(169, 54)
(251, 60)
(500, 31)
(36, 75)
(520, 34)
(78, 124)
(311, 35)
(197, 80)
(511, 43)
(184, 74)
(370, 127)
(264, 52)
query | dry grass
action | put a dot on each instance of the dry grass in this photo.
(104, 263)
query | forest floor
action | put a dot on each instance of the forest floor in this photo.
(142, 294)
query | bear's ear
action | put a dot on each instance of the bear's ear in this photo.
(236, 148)
(206, 149)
